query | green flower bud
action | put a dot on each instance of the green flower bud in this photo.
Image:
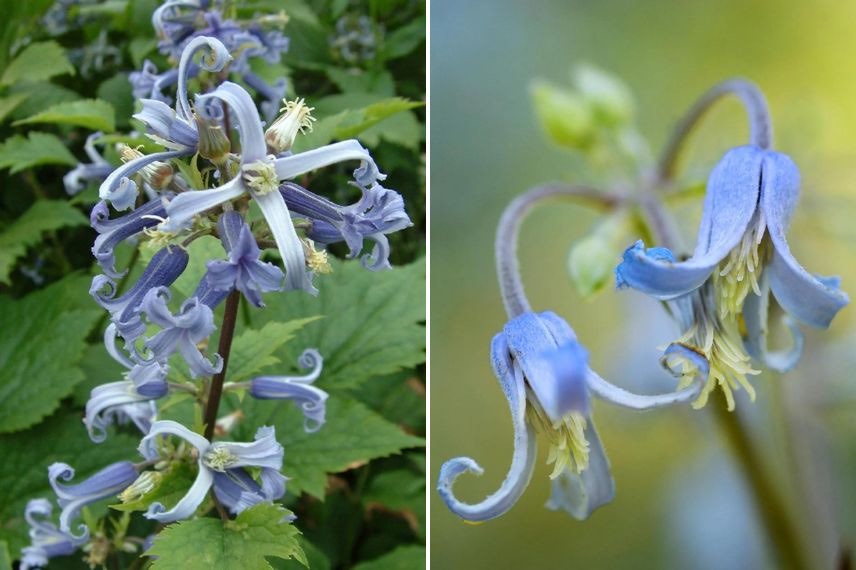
(609, 99)
(563, 114)
(213, 142)
(592, 259)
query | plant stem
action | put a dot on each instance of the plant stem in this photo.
(227, 333)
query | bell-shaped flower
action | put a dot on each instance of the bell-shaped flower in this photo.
(378, 212)
(46, 540)
(82, 174)
(259, 177)
(181, 332)
(743, 254)
(108, 482)
(545, 376)
(243, 270)
(113, 232)
(311, 400)
(221, 465)
(165, 267)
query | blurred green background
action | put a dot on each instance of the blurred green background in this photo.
(680, 502)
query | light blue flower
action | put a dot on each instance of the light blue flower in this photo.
(311, 400)
(243, 270)
(82, 174)
(544, 373)
(46, 540)
(741, 256)
(221, 465)
(378, 212)
(113, 232)
(108, 482)
(260, 175)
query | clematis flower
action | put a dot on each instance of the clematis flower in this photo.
(108, 482)
(181, 332)
(741, 256)
(113, 232)
(221, 465)
(259, 178)
(46, 540)
(544, 373)
(243, 270)
(311, 400)
(378, 212)
(97, 170)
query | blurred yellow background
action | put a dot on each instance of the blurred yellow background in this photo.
(680, 501)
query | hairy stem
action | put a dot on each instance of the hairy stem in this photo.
(507, 266)
(760, 125)
(227, 333)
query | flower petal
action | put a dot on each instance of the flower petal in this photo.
(253, 146)
(621, 397)
(120, 190)
(188, 504)
(216, 60)
(756, 318)
(181, 209)
(290, 247)
(294, 165)
(148, 449)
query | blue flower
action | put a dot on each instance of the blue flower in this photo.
(108, 482)
(221, 465)
(113, 232)
(741, 256)
(544, 373)
(243, 270)
(311, 400)
(96, 171)
(46, 540)
(379, 211)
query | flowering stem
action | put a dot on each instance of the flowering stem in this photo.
(760, 126)
(507, 266)
(227, 333)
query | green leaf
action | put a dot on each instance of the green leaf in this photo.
(18, 153)
(404, 40)
(27, 455)
(254, 349)
(38, 61)
(26, 231)
(403, 491)
(117, 92)
(5, 558)
(139, 48)
(402, 558)
(374, 326)
(352, 436)
(9, 103)
(40, 96)
(42, 341)
(243, 544)
(171, 486)
(93, 114)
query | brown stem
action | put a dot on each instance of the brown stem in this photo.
(227, 333)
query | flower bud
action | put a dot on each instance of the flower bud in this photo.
(213, 142)
(295, 119)
(565, 117)
(608, 97)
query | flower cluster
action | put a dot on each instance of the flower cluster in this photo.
(151, 334)
(720, 297)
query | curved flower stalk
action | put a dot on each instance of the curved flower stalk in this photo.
(108, 482)
(378, 212)
(544, 373)
(82, 174)
(221, 465)
(46, 540)
(260, 175)
(741, 256)
(311, 400)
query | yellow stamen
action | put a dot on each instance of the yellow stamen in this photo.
(740, 272)
(568, 444)
(260, 177)
(316, 259)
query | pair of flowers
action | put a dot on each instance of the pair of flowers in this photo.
(720, 296)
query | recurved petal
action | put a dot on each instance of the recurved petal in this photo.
(189, 503)
(510, 378)
(579, 494)
(253, 146)
(120, 190)
(756, 317)
(294, 165)
(290, 248)
(182, 208)
(619, 396)
(148, 448)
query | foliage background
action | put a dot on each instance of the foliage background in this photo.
(358, 487)
(680, 502)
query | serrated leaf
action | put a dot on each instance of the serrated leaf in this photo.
(352, 435)
(27, 455)
(168, 490)
(9, 103)
(402, 558)
(254, 349)
(42, 340)
(374, 326)
(18, 153)
(243, 544)
(93, 114)
(43, 216)
(40, 96)
(37, 61)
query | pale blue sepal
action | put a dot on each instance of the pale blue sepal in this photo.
(290, 247)
(756, 311)
(676, 353)
(253, 146)
(288, 167)
(621, 397)
(579, 494)
(214, 61)
(730, 203)
(120, 190)
(523, 461)
(265, 451)
(181, 209)
(813, 300)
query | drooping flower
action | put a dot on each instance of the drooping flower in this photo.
(311, 400)
(108, 482)
(46, 540)
(544, 373)
(113, 232)
(260, 175)
(243, 270)
(82, 174)
(221, 465)
(741, 256)
(378, 212)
